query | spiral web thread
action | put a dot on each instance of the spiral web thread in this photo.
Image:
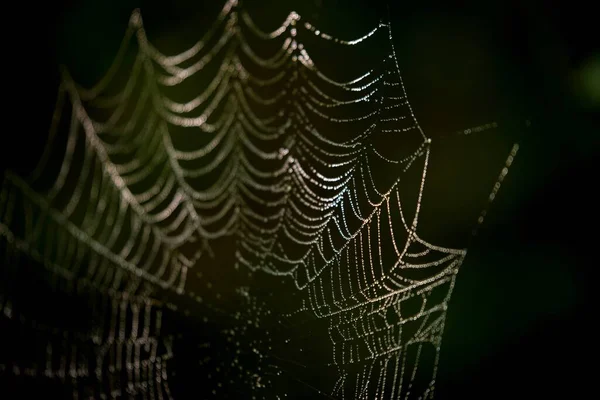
(127, 201)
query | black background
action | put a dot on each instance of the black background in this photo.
(521, 321)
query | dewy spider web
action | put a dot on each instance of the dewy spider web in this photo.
(282, 158)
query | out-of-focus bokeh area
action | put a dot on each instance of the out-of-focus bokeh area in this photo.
(520, 322)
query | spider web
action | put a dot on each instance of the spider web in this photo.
(143, 172)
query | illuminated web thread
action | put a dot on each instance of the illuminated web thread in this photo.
(302, 202)
(120, 352)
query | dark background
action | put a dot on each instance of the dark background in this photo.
(520, 323)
